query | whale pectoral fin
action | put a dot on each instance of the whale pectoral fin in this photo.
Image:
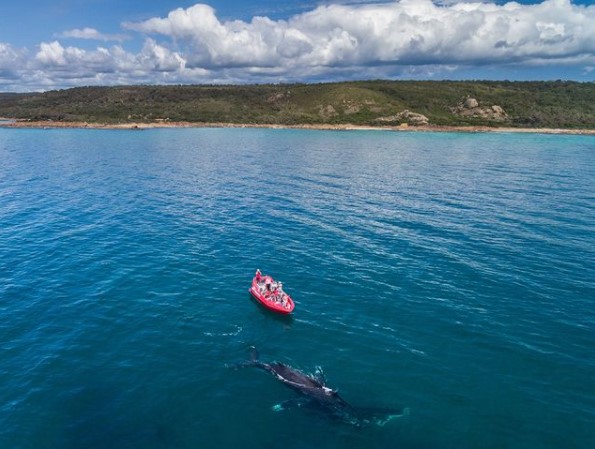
(381, 417)
(289, 404)
(251, 362)
(254, 355)
(237, 366)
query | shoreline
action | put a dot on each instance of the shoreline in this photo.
(10, 123)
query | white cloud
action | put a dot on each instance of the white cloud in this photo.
(8, 56)
(11, 61)
(152, 57)
(159, 58)
(92, 34)
(407, 38)
(407, 32)
(51, 54)
(56, 66)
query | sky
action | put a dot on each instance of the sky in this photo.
(56, 44)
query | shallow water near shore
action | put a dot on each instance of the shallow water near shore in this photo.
(452, 274)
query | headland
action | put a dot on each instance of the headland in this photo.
(463, 106)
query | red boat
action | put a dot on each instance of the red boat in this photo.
(270, 294)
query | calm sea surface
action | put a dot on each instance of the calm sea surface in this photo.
(452, 274)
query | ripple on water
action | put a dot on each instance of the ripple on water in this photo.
(447, 273)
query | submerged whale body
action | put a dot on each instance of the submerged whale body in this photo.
(315, 395)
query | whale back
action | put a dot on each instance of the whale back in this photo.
(285, 373)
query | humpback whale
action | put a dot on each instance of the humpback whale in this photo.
(315, 395)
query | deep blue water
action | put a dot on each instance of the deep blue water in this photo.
(453, 274)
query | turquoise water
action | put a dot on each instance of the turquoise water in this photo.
(452, 274)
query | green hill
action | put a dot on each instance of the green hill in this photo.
(558, 104)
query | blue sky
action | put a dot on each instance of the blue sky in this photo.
(63, 43)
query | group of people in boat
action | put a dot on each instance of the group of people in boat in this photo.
(271, 290)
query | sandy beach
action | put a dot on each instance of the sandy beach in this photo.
(342, 127)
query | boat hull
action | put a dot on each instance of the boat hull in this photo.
(281, 303)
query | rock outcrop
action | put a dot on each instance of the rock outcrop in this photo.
(405, 117)
(327, 112)
(471, 108)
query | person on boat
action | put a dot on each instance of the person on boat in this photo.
(258, 276)
(267, 284)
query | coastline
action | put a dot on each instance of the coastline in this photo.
(9, 123)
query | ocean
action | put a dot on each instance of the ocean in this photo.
(448, 274)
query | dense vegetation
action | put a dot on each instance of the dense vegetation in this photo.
(558, 104)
